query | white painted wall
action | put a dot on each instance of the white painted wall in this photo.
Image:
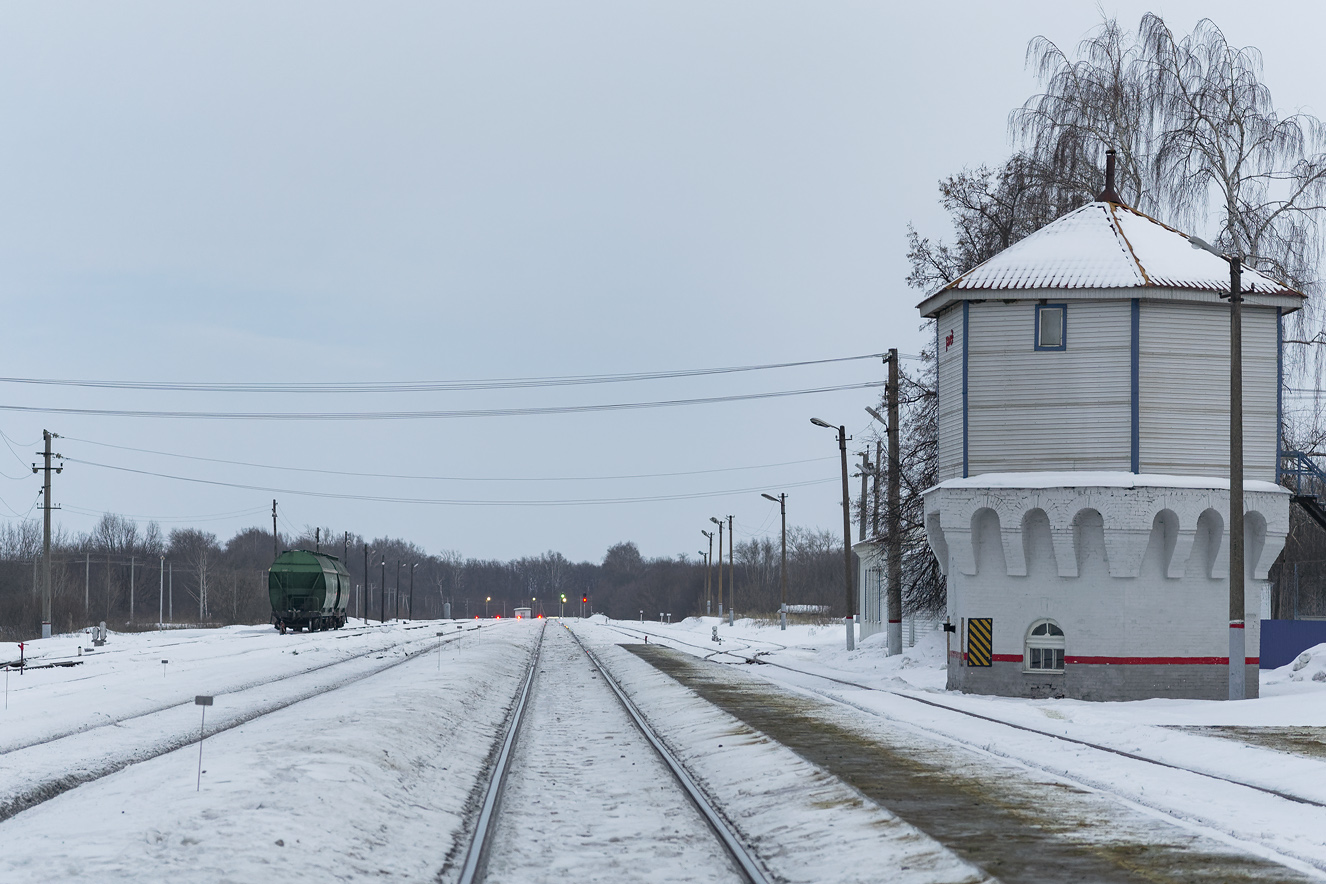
(1184, 410)
(951, 343)
(1035, 410)
(1127, 588)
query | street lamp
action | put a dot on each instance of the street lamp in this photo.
(485, 606)
(1237, 644)
(781, 500)
(847, 530)
(382, 596)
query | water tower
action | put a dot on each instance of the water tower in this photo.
(1080, 517)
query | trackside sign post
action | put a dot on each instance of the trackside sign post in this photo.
(203, 701)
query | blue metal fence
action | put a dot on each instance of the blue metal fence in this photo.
(1283, 640)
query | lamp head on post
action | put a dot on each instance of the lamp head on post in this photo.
(876, 415)
(819, 423)
(716, 521)
(769, 497)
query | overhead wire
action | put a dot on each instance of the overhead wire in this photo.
(341, 387)
(415, 477)
(434, 415)
(442, 501)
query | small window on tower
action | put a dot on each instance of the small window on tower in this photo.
(1051, 326)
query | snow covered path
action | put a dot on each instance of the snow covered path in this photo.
(372, 778)
(587, 799)
(364, 753)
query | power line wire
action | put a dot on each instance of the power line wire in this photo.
(411, 477)
(443, 501)
(424, 386)
(433, 415)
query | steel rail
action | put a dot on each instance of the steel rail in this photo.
(228, 691)
(746, 863)
(482, 840)
(1132, 756)
(43, 791)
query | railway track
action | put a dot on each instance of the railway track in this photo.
(824, 686)
(1299, 799)
(119, 720)
(524, 785)
(43, 769)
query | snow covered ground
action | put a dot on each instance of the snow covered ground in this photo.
(358, 753)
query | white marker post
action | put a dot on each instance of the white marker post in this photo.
(163, 668)
(204, 702)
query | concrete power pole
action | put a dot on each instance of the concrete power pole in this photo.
(731, 575)
(46, 507)
(276, 543)
(865, 476)
(894, 521)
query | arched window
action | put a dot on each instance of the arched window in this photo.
(1045, 648)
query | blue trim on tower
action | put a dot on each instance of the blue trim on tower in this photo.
(965, 348)
(1136, 386)
(1279, 388)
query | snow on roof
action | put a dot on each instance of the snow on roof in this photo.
(1108, 246)
(1105, 479)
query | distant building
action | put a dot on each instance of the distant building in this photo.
(1080, 517)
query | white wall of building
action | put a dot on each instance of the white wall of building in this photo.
(1030, 409)
(1184, 404)
(951, 342)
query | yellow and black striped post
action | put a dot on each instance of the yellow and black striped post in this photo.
(979, 630)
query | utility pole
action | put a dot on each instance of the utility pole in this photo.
(345, 549)
(276, 543)
(781, 500)
(131, 589)
(368, 600)
(46, 508)
(170, 591)
(317, 540)
(382, 604)
(1238, 669)
(850, 619)
(720, 565)
(865, 473)
(894, 522)
(731, 575)
(874, 512)
(410, 613)
(708, 574)
(87, 581)
(161, 594)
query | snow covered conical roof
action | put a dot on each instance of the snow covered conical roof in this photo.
(1104, 245)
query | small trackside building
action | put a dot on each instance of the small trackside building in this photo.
(1083, 384)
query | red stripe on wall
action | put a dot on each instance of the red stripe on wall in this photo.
(1157, 661)
(1123, 661)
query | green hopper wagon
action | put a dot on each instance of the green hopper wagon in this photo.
(309, 590)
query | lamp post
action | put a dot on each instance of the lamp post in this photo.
(708, 573)
(382, 596)
(847, 531)
(781, 500)
(485, 606)
(1237, 643)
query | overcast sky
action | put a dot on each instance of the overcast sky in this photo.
(320, 192)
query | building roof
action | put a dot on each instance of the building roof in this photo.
(1103, 245)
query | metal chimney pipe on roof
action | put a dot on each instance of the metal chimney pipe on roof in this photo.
(1109, 194)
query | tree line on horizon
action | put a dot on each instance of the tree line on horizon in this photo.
(127, 574)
